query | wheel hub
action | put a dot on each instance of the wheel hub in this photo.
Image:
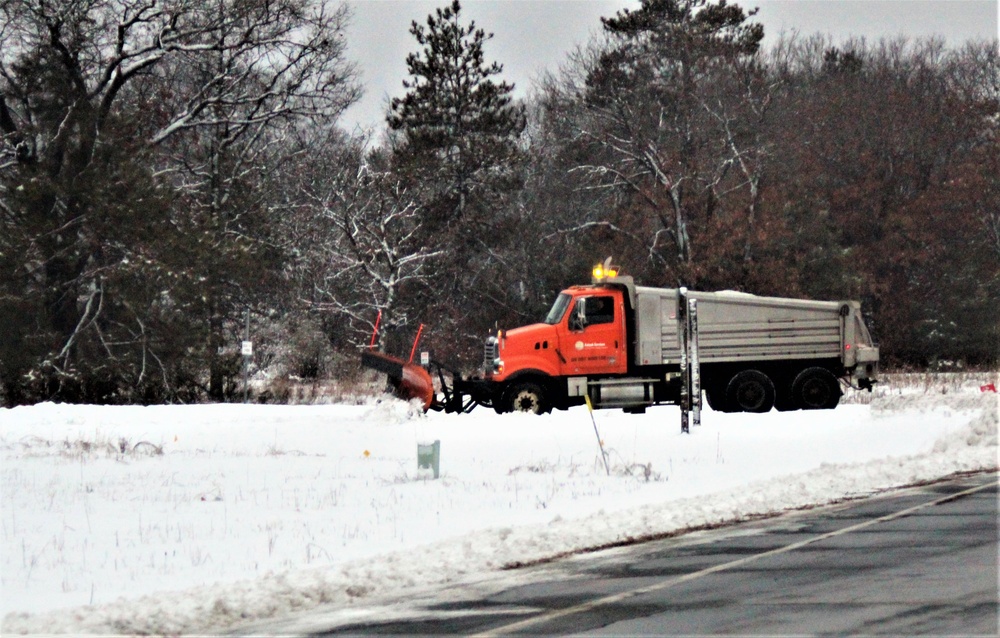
(527, 402)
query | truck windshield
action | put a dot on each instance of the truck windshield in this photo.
(558, 309)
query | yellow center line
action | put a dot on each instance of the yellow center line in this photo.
(673, 582)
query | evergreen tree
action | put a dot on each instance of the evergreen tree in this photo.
(459, 127)
(456, 146)
(660, 117)
(686, 30)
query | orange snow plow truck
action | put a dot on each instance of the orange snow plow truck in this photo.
(621, 345)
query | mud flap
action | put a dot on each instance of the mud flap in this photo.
(409, 380)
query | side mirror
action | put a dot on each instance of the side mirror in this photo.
(579, 318)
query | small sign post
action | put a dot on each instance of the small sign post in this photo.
(247, 350)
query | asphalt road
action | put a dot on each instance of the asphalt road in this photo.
(922, 561)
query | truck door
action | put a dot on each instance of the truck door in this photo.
(595, 339)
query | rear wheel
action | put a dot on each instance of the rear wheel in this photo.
(784, 400)
(816, 389)
(716, 398)
(527, 397)
(750, 391)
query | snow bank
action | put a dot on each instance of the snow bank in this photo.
(182, 519)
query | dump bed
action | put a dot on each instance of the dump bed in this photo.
(736, 326)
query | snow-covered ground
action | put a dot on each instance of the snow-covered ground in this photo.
(176, 519)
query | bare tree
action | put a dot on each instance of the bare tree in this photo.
(366, 246)
(89, 86)
(651, 129)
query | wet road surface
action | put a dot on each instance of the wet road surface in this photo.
(922, 561)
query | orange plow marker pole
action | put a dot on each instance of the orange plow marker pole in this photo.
(378, 320)
(416, 340)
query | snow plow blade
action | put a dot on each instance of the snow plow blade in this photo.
(409, 381)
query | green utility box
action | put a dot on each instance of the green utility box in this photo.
(429, 457)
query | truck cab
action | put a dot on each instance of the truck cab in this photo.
(584, 335)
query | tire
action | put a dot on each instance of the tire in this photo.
(527, 397)
(750, 391)
(816, 389)
(784, 400)
(716, 399)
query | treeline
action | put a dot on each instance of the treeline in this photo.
(167, 168)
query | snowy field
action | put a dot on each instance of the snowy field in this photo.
(187, 519)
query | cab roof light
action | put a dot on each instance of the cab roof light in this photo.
(605, 270)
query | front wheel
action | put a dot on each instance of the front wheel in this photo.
(527, 397)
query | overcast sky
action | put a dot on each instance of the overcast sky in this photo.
(531, 36)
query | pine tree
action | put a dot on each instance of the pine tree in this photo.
(659, 117)
(456, 147)
(458, 126)
(678, 28)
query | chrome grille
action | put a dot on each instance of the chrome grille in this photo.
(490, 352)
